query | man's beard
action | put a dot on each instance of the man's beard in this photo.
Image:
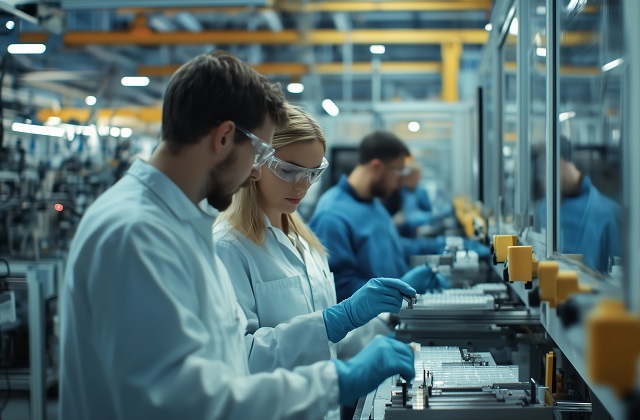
(378, 189)
(222, 188)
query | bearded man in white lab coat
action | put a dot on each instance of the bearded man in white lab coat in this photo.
(151, 328)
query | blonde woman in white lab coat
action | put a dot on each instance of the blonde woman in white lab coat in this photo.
(278, 267)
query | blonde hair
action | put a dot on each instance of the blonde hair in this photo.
(245, 215)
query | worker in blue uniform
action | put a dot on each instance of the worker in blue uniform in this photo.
(151, 326)
(357, 230)
(589, 221)
(411, 208)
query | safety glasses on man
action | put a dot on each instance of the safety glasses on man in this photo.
(263, 150)
(293, 173)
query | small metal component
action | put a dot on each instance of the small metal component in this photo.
(411, 300)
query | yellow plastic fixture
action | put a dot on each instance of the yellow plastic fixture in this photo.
(501, 243)
(613, 346)
(547, 276)
(520, 263)
(567, 285)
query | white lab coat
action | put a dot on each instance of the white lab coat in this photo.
(275, 283)
(151, 328)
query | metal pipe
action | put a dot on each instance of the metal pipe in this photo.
(523, 95)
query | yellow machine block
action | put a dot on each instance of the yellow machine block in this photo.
(567, 285)
(547, 276)
(534, 267)
(520, 263)
(609, 361)
(501, 243)
(550, 377)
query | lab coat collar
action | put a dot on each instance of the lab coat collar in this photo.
(283, 239)
(173, 197)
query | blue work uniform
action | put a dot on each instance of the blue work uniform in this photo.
(151, 328)
(361, 239)
(588, 225)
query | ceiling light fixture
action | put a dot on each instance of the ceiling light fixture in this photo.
(26, 48)
(377, 49)
(38, 129)
(295, 87)
(139, 81)
(330, 107)
(90, 100)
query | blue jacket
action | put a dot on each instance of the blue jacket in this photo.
(361, 239)
(588, 225)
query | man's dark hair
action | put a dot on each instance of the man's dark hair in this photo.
(217, 87)
(381, 145)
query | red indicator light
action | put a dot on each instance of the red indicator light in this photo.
(58, 207)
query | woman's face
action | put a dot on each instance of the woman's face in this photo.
(278, 196)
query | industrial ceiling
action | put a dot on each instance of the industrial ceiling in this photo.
(92, 44)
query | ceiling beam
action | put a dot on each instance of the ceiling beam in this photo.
(334, 6)
(298, 70)
(313, 37)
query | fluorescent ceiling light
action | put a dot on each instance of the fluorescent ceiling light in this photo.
(53, 121)
(377, 49)
(10, 24)
(135, 81)
(90, 100)
(488, 27)
(38, 129)
(331, 108)
(612, 64)
(506, 150)
(26, 48)
(564, 116)
(541, 10)
(414, 126)
(541, 52)
(114, 132)
(126, 132)
(295, 87)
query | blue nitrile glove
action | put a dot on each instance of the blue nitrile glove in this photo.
(419, 218)
(442, 282)
(382, 358)
(482, 250)
(422, 278)
(431, 245)
(375, 297)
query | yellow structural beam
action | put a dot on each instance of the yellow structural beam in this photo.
(451, 52)
(298, 70)
(332, 6)
(314, 37)
(141, 114)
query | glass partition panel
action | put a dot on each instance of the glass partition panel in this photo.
(536, 113)
(590, 94)
(508, 58)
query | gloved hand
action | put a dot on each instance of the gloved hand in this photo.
(375, 297)
(418, 218)
(424, 279)
(482, 250)
(382, 358)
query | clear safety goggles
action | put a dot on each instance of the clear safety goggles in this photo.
(263, 150)
(293, 173)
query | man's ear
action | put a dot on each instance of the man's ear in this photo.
(376, 166)
(221, 137)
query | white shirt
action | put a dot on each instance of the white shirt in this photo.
(276, 283)
(150, 323)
